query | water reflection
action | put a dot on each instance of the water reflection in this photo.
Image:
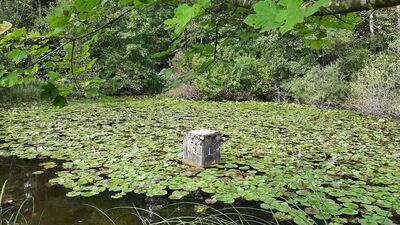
(47, 205)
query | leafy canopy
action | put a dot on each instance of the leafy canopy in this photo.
(74, 25)
(283, 15)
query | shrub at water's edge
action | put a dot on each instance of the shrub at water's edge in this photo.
(26, 92)
(376, 89)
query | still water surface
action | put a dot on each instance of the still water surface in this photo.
(47, 205)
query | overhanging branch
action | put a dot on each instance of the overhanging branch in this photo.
(338, 6)
(346, 6)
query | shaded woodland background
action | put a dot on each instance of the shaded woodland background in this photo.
(357, 68)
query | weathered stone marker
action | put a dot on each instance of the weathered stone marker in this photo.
(201, 148)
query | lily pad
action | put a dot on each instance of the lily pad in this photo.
(38, 172)
(349, 211)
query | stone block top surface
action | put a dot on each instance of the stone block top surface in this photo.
(204, 132)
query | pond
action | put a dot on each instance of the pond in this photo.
(304, 164)
(48, 205)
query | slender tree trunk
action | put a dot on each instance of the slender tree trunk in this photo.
(398, 16)
(372, 23)
(398, 27)
(40, 8)
(2, 8)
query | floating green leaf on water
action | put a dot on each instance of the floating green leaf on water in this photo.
(178, 194)
(73, 194)
(200, 208)
(282, 216)
(349, 211)
(48, 165)
(350, 205)
(156, 192)
(38, 172)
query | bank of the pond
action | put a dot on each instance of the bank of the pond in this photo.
(305, 164)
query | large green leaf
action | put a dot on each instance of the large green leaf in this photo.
(284, 14)
(293, 14)
(10, 79)
(53, 75)
(86, 5)
(264, 17)
(135, 2)
(50, 91)
(59, 17)
(184, 14)
(17, 55)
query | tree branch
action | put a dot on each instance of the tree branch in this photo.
(216, 40)
(217, 31)
(72, 66)
(337, 6)
(105, 25)
(346, 6)
(73, 40)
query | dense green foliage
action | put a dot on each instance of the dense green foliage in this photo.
(61, 46)
(238, 78)
(287, 69)
(376, 89)
(125, 53)
(214, 50)
(303, 163)
(320, 86)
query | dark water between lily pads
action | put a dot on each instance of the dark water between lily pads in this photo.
(48, 205)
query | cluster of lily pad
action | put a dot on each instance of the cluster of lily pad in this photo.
(305, 164)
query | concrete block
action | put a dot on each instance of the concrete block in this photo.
(201, 148)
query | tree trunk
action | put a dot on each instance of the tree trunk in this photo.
(372, 23)
(338, 6)
(40, 8)
(398, 16)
